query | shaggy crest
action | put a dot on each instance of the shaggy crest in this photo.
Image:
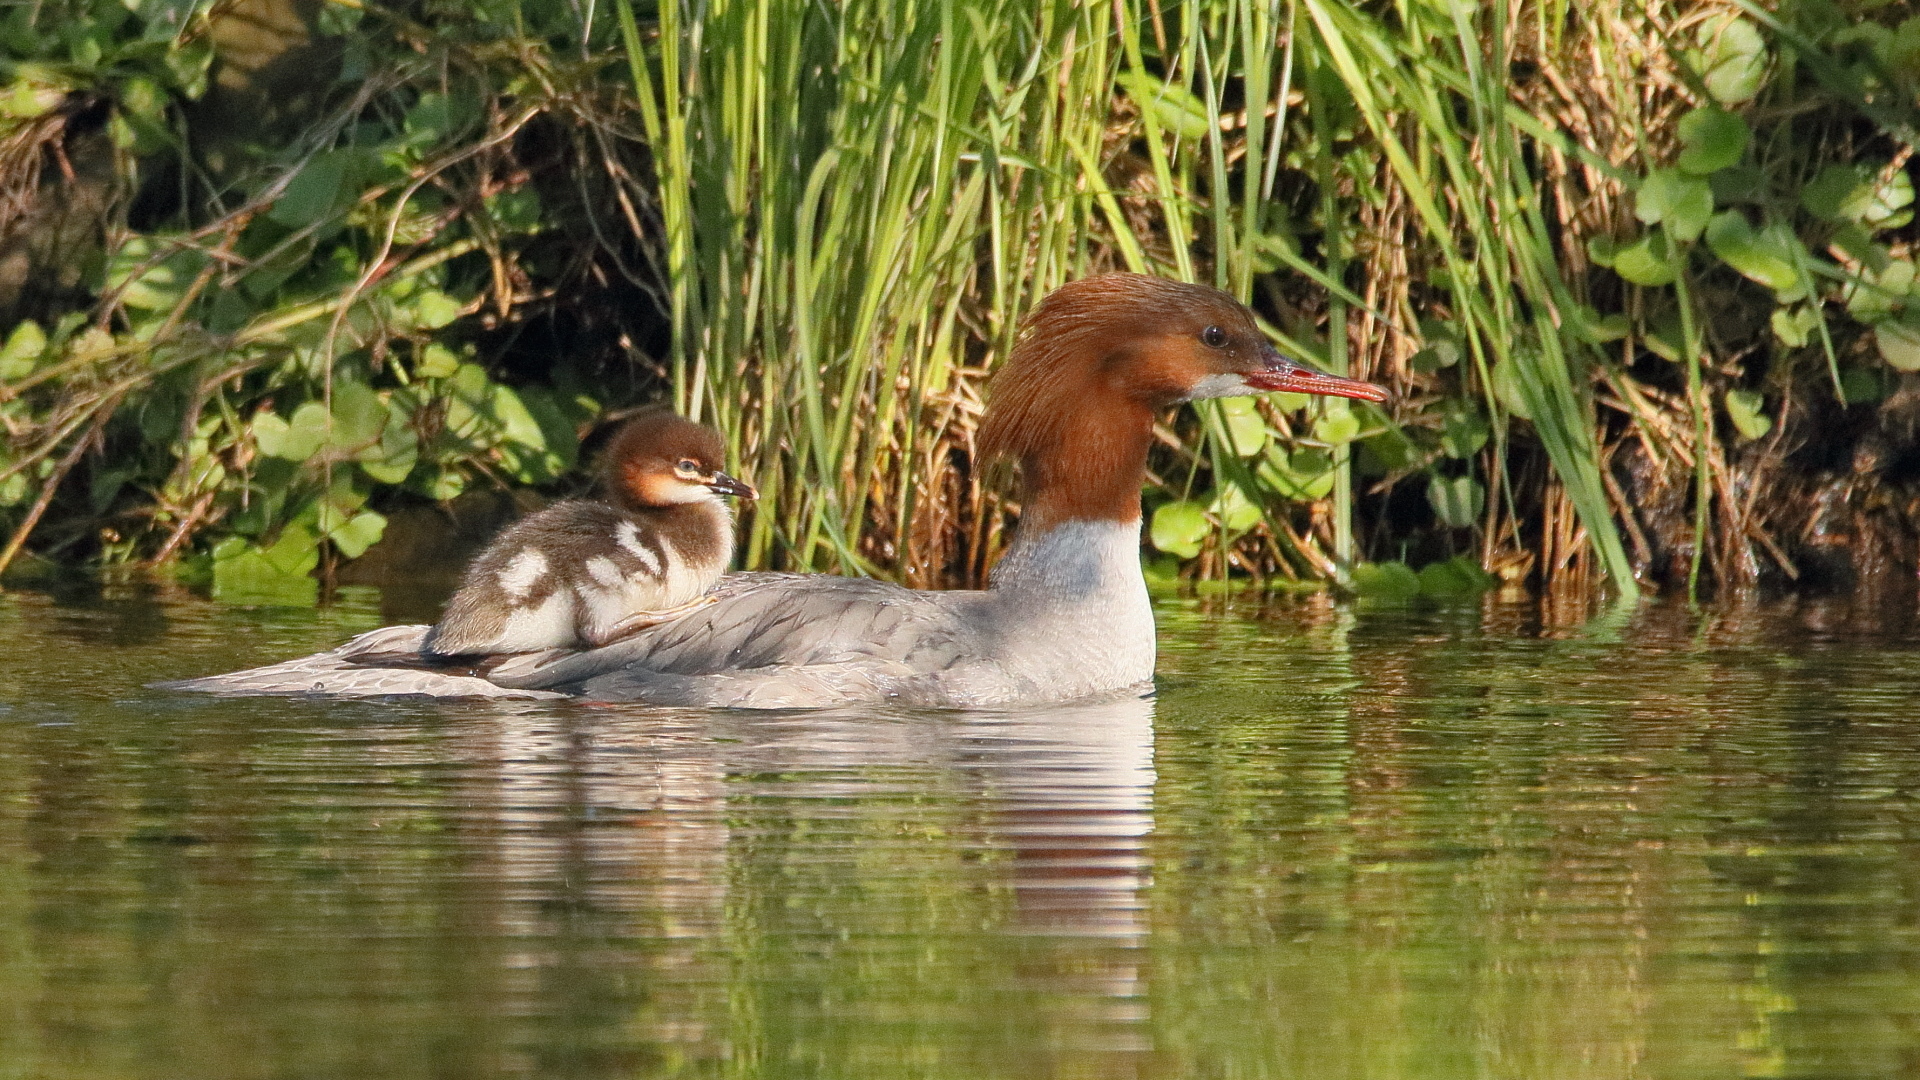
(1121, 336)
(1074, 403)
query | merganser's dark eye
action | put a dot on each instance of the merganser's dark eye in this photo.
(1213, 337)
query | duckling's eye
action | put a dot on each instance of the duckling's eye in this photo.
(688, 465)
(1213, 337)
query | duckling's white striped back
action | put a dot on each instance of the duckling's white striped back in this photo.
(577, 572)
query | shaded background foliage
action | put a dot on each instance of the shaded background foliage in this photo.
(276, 273)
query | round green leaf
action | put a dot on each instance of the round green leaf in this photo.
(560, 442)
(1644, 262)
(1441, 348)
(22, 351)
(1389, 452)
(1682, 202)
(358, 416)
(1875, 297)
(1590, 326)
(1794, 326)
(1830, 195)
(143, 98)
(294, 440)
(1456, 501)
(1337, 426)
(392, 459)
(1246, 428)
(516, 210)
(1747, 410)
(1386, 581)
(1458, 576)
(189, 64)
(1852, 193)
(1714, 139)
(1505, 377)
(90, 344)
(1463, 430)
(1888, 206)
(440, 484)
(275, 574)
(1434, 357)
(1766, 256)
(430, 309)
(155, 286)
(1899, 345)
(312, 194)
(332, 511)
(247, 578)
(1235, 511)
(1863, 385)
(1780, 243)
(1179, 528)
(306, 431)
(295, 551)
(435, 117)
(1302, 476)
(24, 100)
(436, 362)
(270, 433)
(1732, 59)
(358, 533)
(523, 442)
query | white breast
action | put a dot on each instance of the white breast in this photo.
(539, 626)
(1071, 613)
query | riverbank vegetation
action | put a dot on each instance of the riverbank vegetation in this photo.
(273, 272)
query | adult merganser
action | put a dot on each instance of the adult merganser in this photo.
(1065, 614)
(583, 572)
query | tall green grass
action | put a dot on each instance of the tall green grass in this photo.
(842, 186)
(862, 199)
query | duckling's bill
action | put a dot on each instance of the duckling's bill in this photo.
(722, 484)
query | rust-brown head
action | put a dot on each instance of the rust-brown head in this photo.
(1075, 403)
(659, 459)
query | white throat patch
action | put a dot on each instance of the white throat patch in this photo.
(1219, 386)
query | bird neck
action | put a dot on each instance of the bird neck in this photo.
(701, 532)
(1079, 534)
(1091, 469)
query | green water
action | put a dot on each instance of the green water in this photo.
(1370, 844)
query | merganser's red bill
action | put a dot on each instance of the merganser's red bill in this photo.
(1295, 377)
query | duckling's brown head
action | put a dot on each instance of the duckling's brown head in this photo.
(660, 459)
(1075, 402)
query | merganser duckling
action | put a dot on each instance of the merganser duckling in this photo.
(1065, 614)
(584, 572)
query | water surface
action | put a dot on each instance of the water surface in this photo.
(1375, 843)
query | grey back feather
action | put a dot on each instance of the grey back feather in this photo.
(767, 620)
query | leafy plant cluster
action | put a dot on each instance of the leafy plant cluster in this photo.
(1766, 223)
(1773, 151)
(290, 326)
(1772, 227)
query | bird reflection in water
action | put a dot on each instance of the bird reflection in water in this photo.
(1072, 788)
(735, 854)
